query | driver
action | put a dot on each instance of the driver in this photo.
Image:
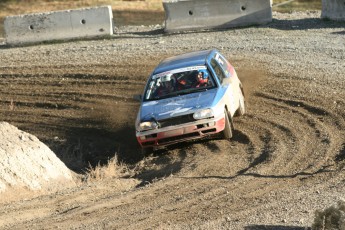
(166, 86)
(201, 79)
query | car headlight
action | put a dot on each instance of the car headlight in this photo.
(201, 114)
(147, 125)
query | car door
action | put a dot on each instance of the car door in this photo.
(230, 72)
(225, 84)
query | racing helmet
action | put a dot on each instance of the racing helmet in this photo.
(167, 78)
(204, 78)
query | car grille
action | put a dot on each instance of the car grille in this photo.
(176, 120)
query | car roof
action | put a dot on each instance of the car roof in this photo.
(184, 60)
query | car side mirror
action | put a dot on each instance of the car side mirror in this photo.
(138, 97)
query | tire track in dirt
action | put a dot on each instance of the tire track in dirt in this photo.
(283, 141)
(286, 141)
(62, 109)
(311, 129)
(291, 137)
(284, 138)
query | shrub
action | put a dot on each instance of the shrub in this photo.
(332, 218)
(113, 169)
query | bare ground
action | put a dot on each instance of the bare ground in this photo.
(285, 161)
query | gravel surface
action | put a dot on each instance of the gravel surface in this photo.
(285, 161)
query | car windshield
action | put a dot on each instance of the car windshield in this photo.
(178, 82)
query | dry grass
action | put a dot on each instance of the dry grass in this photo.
(113, 172)
(286, 6)
(113, 169)
(16, 7)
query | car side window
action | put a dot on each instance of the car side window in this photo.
(226, 66)
(218, 70)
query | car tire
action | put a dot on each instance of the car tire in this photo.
(146, 151)
(227, 132)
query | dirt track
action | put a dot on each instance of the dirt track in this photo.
(285, 161)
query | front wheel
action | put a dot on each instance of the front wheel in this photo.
(227, 132)
(147, 151)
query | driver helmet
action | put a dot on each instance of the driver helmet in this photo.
(204, 78)
(167, 78)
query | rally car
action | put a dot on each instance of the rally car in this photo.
(189, 96)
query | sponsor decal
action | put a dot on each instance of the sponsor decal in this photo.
(191, 68)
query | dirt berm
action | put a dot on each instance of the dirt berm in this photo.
(286, 159)
(27, 163)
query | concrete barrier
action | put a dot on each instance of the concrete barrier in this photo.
(59, 25)
(333, 9)
(207, 14)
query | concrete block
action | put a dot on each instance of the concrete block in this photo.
(59, 25)
(207, 14)
(333, 9)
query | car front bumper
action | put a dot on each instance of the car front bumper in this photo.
(174, 134)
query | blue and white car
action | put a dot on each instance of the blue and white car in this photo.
(187, 97)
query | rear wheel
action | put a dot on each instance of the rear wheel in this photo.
(227, 132)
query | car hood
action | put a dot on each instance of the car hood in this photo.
(177, 106)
